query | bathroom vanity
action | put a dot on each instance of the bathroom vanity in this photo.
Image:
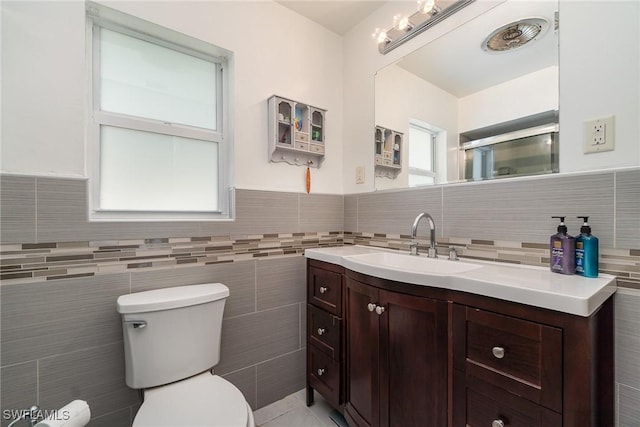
(423, 342)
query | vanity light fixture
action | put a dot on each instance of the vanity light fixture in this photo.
(406, 27)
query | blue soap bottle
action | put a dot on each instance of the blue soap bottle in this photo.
(586, 251)
(562, 248)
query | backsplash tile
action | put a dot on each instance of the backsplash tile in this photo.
(628, 209)
(18, 208)
(320, 212)
(281, 376)
(394, 211)
(22, 379)
(627, 339)
(238, 276)
(44, 319)
(94, 374)
(267, 334)
(521, 210)
(278, 282)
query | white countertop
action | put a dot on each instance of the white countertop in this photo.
(536, 286)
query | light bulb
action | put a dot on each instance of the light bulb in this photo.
(380, 36)
(426, 6)
(401, 22)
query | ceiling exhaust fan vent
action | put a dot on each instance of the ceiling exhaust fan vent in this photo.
(515, 34)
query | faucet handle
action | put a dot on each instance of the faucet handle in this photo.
(413, 247)
(453, 253)
(432, 253)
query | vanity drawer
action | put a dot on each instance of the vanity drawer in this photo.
(487, 405)
(519, 356)
(324, 374)
(324, 331)
(325, 290)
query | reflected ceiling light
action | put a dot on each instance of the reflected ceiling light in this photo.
(515, 34)
(406, 27)
(428, 6)
(402, 23)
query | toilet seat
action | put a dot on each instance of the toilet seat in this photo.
(204, 400)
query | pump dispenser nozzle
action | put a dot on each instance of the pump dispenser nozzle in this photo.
(561, 228)
(585, 227)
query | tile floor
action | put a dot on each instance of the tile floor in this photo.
(292, 411)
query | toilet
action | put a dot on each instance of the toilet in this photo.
(171, 343)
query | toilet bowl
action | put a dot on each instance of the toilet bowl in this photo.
(203, 400)
(172, 340)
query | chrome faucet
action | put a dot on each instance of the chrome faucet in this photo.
(413, 246)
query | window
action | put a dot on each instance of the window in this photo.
(159, 146)
(422, 155)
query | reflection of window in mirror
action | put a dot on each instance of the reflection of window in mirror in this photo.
(423, 140)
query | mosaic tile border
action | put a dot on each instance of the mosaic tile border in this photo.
(30, 262)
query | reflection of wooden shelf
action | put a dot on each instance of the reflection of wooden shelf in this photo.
(387, 152)
(296, 132)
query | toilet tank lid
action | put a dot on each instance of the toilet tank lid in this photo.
(168, 298)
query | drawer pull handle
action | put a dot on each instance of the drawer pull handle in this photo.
(379, 310)
(320, 331)
(320, 372)
(323, 289)
(497, 423)
(498, 353)
(371, 306)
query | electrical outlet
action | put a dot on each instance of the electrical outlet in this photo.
(359, 174)
(599, 135)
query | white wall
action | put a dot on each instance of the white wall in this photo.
(276, 52)
(589, 87)
(526, 95)
(593, 86)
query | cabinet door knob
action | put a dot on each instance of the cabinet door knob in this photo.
(497, 423)
(323, 289)
(320, 331)
(498, 353)
(320, 372)
(371, 306)
(379, 310)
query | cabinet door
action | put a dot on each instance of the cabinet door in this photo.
(413, 359)
(362, 355)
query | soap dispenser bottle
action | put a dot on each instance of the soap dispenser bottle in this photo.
(562, 249)
(586, 251)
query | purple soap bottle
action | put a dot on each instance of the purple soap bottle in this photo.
(562, 248)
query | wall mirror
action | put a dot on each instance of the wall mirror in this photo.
(449, 105)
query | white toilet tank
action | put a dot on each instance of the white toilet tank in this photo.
(172, 333)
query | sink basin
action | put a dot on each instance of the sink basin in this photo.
(411, 264)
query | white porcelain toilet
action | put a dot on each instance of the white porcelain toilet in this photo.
(171, 341)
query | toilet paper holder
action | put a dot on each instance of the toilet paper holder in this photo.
(30, 415)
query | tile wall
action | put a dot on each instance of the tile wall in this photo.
(61, 337)
(56, 348)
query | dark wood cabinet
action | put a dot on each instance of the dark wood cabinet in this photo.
(396, 358)
(325, 332)
(395, 354)
(516, 365)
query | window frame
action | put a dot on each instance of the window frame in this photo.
(415, 171)
(99, 16)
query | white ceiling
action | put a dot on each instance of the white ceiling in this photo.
(338, 16)
(456, 63)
